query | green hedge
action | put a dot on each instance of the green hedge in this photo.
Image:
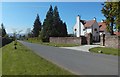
(6, 41)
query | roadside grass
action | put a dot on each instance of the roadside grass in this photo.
(34, 40)
(109, 51)
(37, 40)
(23, 61)
(60, 45)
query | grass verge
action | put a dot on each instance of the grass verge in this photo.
(23, 61)
(104, 50)
(37, 40)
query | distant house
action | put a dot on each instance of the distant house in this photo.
(83, 27)
(103, 30)
(102, 26)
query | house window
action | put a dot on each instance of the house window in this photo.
(83, 29)
(95, 29)
(75, 29)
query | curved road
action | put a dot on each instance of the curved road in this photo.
(80, 63)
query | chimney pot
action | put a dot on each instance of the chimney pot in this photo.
(94, 18)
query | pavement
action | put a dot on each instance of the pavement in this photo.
(84, 48)
(79, 63)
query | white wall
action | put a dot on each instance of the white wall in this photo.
(82, 32)
(89, 30)
(77, 27)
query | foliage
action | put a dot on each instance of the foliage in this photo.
(6, 40)
(108, 28)
(47, 29)
(36, 27)
(111, 12)
(53, 26)
(117, 21)
(2, 30)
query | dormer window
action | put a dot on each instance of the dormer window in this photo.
(100, 25)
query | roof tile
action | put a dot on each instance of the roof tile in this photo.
(89, 23)
(102, 26)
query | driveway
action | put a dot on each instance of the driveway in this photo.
(80, 63)
(84, 48)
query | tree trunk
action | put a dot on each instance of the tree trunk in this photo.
(112, 24)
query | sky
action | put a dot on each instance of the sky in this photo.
(21, 15)
(56, 0)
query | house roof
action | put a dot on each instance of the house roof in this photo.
(102, 26)
(89, 23)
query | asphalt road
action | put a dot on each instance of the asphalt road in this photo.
(80, 63)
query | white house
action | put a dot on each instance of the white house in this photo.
(83, 27)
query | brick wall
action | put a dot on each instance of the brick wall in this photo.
(111, 41)
(68, 40)
(87, 39)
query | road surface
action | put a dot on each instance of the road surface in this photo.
(79, 63)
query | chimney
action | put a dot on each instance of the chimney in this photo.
(94, 18)
(78, 18)
(102, 20)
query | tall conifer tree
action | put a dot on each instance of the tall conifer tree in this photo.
(64, 30)
(36, 27)
(53, 26)
(56, 22)
(47, 25)
(3, 31)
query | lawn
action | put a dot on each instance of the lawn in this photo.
(109, 51)
(37, 40)
(23, 61)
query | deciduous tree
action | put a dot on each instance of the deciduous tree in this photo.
(111, 12)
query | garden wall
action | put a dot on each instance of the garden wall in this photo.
(111, 41)
(68, 40)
